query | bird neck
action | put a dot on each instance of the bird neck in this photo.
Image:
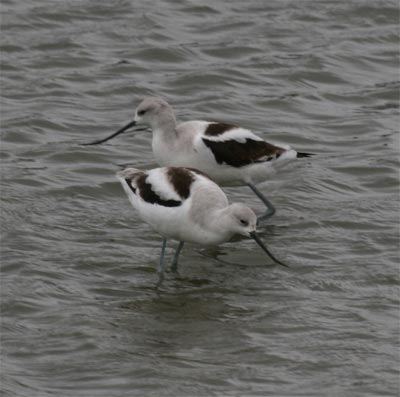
(165, 142)
(218, 221)
(165, 124)
(208, 208)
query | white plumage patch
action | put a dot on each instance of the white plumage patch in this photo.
(237, 134)
(161, 185)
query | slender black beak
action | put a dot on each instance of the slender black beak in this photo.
(120, 131)
(257, 239)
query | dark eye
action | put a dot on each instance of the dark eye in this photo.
(141, 112)
(243, 222)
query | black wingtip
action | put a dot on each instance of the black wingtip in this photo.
(129, 183)
(303, 154)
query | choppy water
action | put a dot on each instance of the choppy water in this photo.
(79, 313)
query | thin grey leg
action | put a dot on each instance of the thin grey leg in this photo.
(270, 208)
(161, 266)
(174, 265)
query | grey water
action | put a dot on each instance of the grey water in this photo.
(80, 316)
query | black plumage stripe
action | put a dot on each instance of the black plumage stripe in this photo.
(215, 129)
(302, 154)
(238, 154)
(149, 196)
(181, 179)
(129, 183)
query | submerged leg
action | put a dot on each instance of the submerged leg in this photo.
(161, 266)
(270, 208)
(174, 265)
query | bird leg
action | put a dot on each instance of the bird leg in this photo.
(270, 208)
(174, 265)
(161, 266)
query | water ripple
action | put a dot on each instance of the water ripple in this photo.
(80, 314)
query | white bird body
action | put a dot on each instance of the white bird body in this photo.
(195, 218)
(187, 148)
(184, 204)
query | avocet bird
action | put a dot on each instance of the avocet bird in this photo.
(185, 205)
(229, 154)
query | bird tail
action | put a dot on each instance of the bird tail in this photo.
(302, 154)
(128, 173)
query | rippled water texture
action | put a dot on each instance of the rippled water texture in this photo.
(80, 316)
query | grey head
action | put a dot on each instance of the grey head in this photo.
(242, 220)
(152, 112)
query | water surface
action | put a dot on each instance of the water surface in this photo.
(80, 316)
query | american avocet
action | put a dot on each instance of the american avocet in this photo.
(185, 205)
(229, 154)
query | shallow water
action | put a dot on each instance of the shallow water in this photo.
(80, 316)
